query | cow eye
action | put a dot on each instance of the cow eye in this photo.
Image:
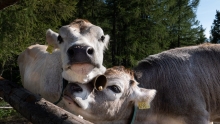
(114, 88)
(102, 38)
(60, 39)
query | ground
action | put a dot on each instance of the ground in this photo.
(9, 115)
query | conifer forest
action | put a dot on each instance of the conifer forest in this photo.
(137, 28)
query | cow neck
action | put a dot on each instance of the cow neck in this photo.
(65, 82)
(134, 114)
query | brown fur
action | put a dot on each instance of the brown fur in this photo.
(81, 24)
(121, 70)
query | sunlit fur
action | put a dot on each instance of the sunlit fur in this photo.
(83, 33)
(187, 81)
(42, 72)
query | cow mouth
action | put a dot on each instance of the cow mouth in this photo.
(71, 65)
(79, 65)
(81, 68)
(76, 101)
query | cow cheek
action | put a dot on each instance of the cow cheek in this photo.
(115, 107)
(111, 96)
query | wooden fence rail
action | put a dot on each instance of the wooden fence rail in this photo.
(37, 110)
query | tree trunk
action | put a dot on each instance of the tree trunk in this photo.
(2, 68)
(5, 3)
(37, 110)
(114, 35)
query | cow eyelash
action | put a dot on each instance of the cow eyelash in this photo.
(114, 88)
(60, 39)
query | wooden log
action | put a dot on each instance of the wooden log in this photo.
(37, 110)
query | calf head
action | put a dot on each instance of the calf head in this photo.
(114, 101)
(82, 45)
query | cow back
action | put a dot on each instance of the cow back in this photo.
(186, 79)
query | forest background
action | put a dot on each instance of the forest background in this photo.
(137, 28)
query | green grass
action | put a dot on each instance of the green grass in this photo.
(7, 113)
(3, 103)
(10, 116)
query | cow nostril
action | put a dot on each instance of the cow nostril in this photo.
(76, 88)
(90, 51)
(70, 51)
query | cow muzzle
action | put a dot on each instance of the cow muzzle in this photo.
(80, 54)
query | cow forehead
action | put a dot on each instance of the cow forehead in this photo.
(119, 71)
(74, 32)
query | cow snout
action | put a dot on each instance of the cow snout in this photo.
(76, 88)
(80, 54)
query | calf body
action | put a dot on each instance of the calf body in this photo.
(187, 81)
(41, 72)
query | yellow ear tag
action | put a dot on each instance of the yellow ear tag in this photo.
(50, 49)
(143, 105)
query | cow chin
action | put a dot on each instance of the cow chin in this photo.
(78, 107)
(78, 102)
(81, 73)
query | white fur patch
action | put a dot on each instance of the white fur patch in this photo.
(144, 96)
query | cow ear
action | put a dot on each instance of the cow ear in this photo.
(106, 40)
(142, 97)
(51, 38)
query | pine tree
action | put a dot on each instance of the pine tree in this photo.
(129, 26)
(141, 28)
(215, 28)
(25, 23)
(137, 28)
(4, 3)
(91, 10)
(186, 28)
(200, 35)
